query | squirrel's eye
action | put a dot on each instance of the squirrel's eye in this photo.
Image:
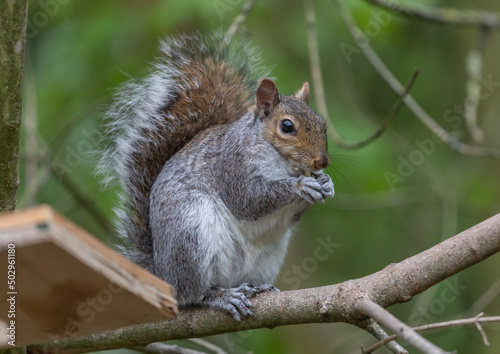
(286, 126)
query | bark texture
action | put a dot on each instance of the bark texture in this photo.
(12, 41)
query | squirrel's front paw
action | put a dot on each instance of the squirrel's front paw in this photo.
(310, 189)
(326, 183)
(316, 188)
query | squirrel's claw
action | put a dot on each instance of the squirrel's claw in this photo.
(236, 302)
(246, 289)
(267, 287)
(239, 306)
(251, 291)
(231, 300)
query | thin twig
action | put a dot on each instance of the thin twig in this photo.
(394, 111)
(474, 66)
(456, 323)
(238, 20)
(32, 189)
(377, 331)
(48, 160)
(61, 136)
(405, 332)
(160, 348)
(207, 345)
(317, 76)
(319, 88)
(447, 324)
(398, 88)
(481, 331)
(447, 16)
(83, 199)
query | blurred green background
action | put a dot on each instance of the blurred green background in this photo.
(78, 51)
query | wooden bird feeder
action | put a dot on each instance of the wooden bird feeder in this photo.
(63, 282)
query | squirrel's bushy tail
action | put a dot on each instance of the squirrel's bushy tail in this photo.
(198, 81)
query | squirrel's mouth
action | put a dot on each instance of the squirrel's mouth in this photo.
(299, 171)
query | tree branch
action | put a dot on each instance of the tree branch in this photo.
(160, 348)
(474, 72)
(394, 111)
(447, 16)
(377, 331)
(454, 323)
(238, 20)
(317, 76)
(12, 40)
(49, 166)
(207, 345)
(397, 87)
(319, 88)
(405, 332)
(334, 303)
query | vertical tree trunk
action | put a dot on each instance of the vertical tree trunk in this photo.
(12, 41)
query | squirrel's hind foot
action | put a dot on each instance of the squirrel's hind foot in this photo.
(235, 300)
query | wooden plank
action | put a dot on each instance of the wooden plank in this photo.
(67, 283)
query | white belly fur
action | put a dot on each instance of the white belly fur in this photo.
(264, 244)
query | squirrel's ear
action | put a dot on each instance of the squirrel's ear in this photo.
(267, 97)
(303, 93)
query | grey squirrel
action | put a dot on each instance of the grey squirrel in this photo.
(217, 168)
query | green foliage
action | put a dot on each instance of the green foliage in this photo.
(86, 48)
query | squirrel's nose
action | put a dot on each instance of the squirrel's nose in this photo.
(321, 162)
